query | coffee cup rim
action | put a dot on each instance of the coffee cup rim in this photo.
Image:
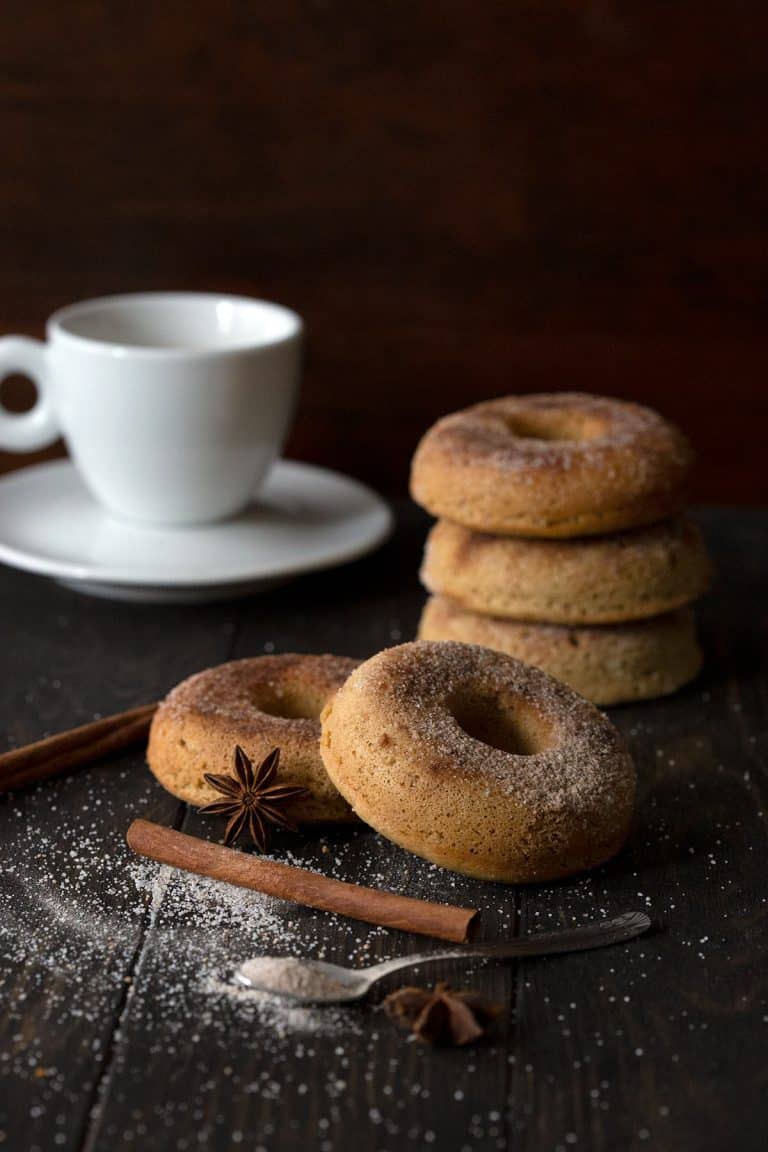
(57, 325)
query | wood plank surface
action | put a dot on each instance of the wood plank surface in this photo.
(65, 660)
(118, 1030)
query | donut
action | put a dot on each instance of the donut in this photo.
(608, 663)
(261, 703)
(479, 763)
(552, 465)
(594, 580)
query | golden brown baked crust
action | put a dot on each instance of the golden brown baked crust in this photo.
(593, 580)
(259, 703)
(478, 762)
(552, 465)
(608, 664)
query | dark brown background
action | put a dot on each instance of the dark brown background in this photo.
(462, 198)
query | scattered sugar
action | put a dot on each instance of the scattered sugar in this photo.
(81, 904)
(209, 928)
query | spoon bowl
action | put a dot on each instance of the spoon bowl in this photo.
(308, 981)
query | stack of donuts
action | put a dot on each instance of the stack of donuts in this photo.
(562, 540)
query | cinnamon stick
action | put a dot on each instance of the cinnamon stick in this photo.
(303, 887)
(72, 749)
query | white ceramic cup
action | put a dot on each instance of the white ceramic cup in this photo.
(173, 404)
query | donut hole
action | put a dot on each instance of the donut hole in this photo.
(290, 703)
(507, 726)
(554, 426)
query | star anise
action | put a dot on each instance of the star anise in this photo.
(251, 799)
(442, 1016)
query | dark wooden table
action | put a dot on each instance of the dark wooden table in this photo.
(109, 1042)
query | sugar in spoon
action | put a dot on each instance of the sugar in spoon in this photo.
(316, 982)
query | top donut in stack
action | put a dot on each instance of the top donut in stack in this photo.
(561, 540)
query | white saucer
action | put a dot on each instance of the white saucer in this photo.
(305, 518)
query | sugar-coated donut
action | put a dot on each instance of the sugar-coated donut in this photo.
(608, 663)
(592, 580)
(479, 762)
(261, 703)
(552, 465)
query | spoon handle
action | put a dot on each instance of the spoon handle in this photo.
(581, 939)
(587, 936)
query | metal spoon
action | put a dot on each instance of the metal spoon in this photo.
(315, 982)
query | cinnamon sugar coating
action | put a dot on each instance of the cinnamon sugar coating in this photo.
(608, 664)
(592, 580)
(552, 465)
(259, 703)
(479, 762)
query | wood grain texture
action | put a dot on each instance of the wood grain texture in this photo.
(460, 202)
(653, 1045)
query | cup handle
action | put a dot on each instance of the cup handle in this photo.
(37, 428)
